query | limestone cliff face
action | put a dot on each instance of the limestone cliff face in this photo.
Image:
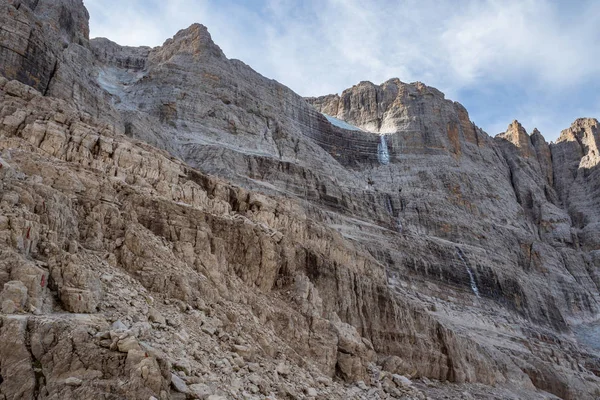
(45, 44)
(544, 155)
(426, 118)
(575, 159)
(106, 226)
(172, 216)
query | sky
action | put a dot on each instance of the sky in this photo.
(537, 61)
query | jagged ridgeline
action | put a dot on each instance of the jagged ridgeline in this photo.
(175, 225)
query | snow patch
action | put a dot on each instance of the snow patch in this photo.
(116, 82)
(341, 124)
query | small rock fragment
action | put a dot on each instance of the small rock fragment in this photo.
(401, 380)
(178, 384)
(283, 369)
(155, 316)
(72, 381)
(118, 325)
(127, 344)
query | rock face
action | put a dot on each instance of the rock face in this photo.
(175, 225)
(575, 159)
(109, 229)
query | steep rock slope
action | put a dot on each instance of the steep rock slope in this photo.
(96, 229)
(490, 193)
(575, 159)
(432, 251)
(217, 114)
(498, 197)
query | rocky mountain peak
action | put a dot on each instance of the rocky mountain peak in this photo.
(368, 84)
(194, 41)
(586, 122)
(537, 139)
(584, 131)
(517, 135)
(391, 107)
(581, 128)
(516, 129)
(583, 138)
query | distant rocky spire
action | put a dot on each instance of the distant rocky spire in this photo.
(517, 135)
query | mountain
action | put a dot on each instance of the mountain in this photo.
(175, 225)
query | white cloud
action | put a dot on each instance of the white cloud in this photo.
(499, 39)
